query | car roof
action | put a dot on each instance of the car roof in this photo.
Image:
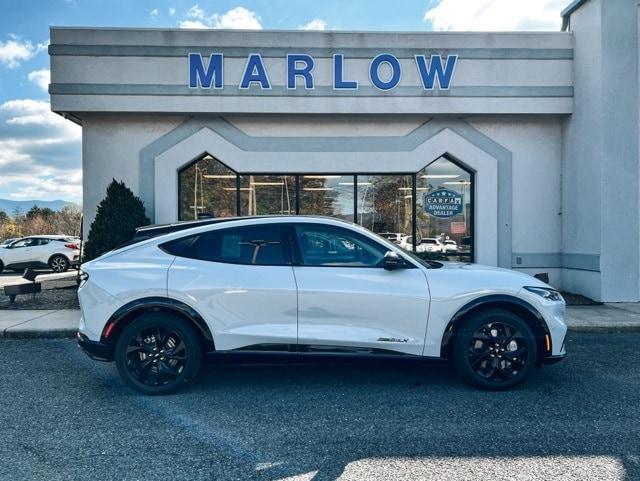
(54, 236)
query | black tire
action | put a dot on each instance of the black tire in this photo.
(494, 349)
(59, 263)
(175, 361)
(1, 267)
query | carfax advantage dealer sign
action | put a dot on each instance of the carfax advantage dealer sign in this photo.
(385, 72)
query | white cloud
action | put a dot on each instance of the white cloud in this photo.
(155, 12)
(496, 15)
(14, 51)
(41, 78)
(315, 24)
(236, 18)
(172, 12)
(40, 152)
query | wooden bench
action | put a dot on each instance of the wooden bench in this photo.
(23, 288)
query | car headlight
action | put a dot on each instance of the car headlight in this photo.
(546, 293)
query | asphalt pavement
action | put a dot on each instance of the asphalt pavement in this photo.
(65, 417)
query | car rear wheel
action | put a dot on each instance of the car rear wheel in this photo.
(59, 263)
(158, 353)
(494, 349)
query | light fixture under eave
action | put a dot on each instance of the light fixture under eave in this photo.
(440, 176)
(317, 188)
(219, 176)
(233, 188)
(267, 183)
(321, 176)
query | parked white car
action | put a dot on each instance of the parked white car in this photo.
(395, 237)
(57, 252)
(307, 286)
(450, 246)
(430, 244)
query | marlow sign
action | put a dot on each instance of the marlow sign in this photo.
(300, 67)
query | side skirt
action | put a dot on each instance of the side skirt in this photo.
(313, 354)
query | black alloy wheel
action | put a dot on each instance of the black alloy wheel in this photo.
(158, 353)
(494, 349)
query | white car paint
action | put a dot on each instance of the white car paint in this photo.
(450, 246)
(404, 310)
(36, 251)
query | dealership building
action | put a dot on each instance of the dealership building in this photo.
(520, 149)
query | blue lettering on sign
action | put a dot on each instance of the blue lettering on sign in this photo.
(433, 70)
(442, 203)
(255, 72)
(374, 71)
(294, 70)
(201, 77)
(434, 73)
(339, 82)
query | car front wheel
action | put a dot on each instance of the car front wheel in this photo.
(494, 349)
(158, 353)
(59, 264)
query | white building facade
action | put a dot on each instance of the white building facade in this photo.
(520, 149)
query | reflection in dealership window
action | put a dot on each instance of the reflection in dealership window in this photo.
(330, 195)
(385, 205)
(443, 211)
(207, 189)
(267, 195)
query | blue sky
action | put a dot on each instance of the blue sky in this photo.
(40, 153)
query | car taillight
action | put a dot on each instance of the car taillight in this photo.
(75, 247)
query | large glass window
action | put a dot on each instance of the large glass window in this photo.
(267, 195)
(430, 211)
(444, 193)
(207, 188)
(330, 195)
(385, 204)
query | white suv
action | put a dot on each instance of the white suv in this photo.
(56, 252)
(306, 286)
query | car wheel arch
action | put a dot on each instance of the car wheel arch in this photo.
(126, 314)
(512, 304)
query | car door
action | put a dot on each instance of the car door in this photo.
(240, 279)
(347, 302)
(20, 252)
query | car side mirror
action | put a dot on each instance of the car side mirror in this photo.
(392, 261)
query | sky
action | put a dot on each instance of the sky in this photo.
(40, 152)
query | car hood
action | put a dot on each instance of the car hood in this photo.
(516, 276)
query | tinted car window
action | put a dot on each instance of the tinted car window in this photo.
(332, 246)
(258, 245)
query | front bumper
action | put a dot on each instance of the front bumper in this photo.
(94, 349)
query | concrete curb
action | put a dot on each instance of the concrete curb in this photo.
(604, 329)
(43, 334)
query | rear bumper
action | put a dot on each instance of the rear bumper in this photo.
(94, 349)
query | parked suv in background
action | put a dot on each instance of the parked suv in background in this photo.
(57, 252)
(306, 286)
